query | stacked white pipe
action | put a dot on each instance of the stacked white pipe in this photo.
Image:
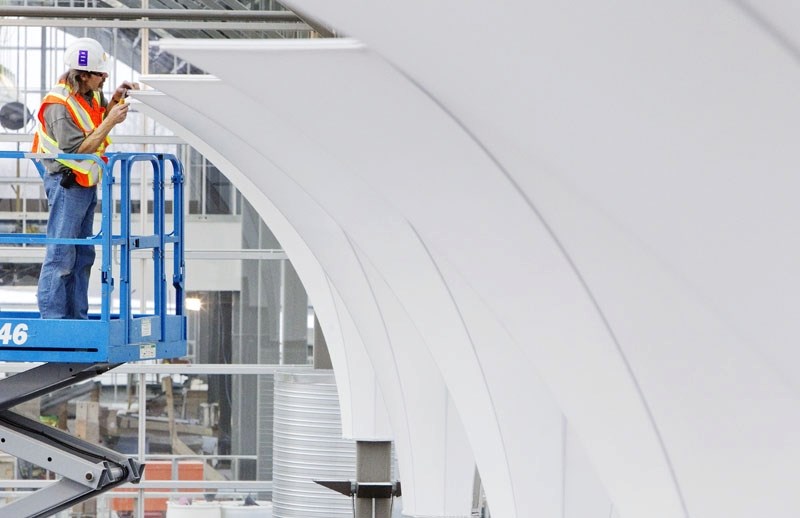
(308, 446)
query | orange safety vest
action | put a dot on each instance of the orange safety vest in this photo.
(87, 117)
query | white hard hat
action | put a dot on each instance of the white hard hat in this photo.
(86, 54)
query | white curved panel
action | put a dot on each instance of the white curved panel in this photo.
(547, 463)
(371, 405)
(436, 414)
(584, 495)
(656, 141)
(348, 75)
(334, 317)
(404, 389)
(532, 423)
(778, 18)
(354, 376)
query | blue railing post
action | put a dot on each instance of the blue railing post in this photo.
(125, 245)
(107, 277)
(159, 275)
(179, 265)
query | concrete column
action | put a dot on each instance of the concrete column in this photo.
(258, 343)
(373, 464)
(269, 308)
(322, 357)
(295, 317)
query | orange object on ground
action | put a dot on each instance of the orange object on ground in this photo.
(160, 470)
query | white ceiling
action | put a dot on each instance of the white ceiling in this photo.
(582, 210)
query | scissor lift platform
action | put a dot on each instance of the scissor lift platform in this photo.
(76, 350)
(24, 337)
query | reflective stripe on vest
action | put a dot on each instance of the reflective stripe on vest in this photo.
(90, 171)
(87, 117)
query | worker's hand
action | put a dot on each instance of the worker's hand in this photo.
(122, 90)
(117, 114)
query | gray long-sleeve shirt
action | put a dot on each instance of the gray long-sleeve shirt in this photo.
(61, 127)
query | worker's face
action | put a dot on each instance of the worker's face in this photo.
(95, 80)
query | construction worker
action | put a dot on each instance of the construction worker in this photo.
(74, 118)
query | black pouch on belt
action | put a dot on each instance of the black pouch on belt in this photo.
(68, 179)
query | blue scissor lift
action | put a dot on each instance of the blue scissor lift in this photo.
(72, 351)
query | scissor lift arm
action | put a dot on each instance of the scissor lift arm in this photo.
(86, 469)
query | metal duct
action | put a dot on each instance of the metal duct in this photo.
(308, 446)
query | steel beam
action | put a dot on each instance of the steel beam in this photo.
(124, 13)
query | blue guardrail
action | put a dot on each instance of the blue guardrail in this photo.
(116, 334)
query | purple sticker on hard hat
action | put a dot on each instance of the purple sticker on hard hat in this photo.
(83, 58)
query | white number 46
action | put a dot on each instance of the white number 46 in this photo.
(19, 336)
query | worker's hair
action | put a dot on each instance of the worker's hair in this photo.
(72, 79)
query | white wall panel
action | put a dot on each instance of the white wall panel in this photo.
(213, 235)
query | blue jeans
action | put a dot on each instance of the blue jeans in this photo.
(64, 280)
